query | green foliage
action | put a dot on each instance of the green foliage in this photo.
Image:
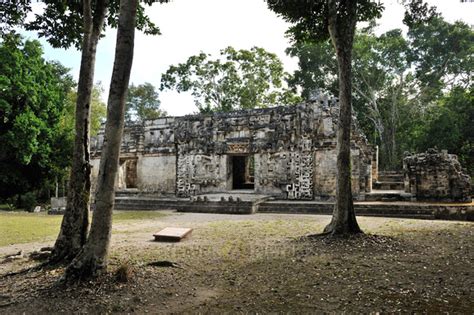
(418, 12)
(98, 111)
(396, 80)
(442, 54)
(32, 93)
(61, 22)
(27, 201)
(310, 19)
(143, 103)
(449, 126)
(13, 13)
(240, 79)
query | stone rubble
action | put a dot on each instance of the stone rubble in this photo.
(434, 175)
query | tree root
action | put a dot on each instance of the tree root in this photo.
(25, 271)
(164, 263)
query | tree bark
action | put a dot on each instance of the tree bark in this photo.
(342, 22)
(92, 260)
(75, 223)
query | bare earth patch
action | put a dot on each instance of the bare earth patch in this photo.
(263, 263)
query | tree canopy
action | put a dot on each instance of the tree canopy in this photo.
(239, 79)
(32, 101)
(98, 111)
(310, 19)
(397, 79)
(61, 22)
(142, 103)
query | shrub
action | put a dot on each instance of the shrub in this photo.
(28, 201)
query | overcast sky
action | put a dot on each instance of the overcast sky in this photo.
(191, 26)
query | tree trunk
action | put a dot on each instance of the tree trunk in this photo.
(92, 260)
(342, 23)
(75, 224)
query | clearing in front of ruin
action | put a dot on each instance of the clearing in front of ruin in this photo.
(261, 263)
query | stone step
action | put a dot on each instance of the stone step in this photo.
(386, 209)
(237, 207)
(361, 209)
(141, 203)
(234, 202)
(388, 195)
(400, 209)
(390, 172)
(386, 185)
(127, 192)
(390, 178)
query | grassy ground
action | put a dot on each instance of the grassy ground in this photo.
(24, 227)
(265, 263)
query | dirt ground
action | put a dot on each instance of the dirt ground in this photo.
(259, 264)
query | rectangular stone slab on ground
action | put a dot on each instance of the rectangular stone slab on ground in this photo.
(170, 234)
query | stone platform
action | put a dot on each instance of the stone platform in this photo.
(234, 202)
(397, 209)
(247, 203)
(388, 195)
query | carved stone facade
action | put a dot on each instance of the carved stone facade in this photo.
(436, 176)
(292, 150)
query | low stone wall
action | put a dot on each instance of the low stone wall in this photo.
(435, 176)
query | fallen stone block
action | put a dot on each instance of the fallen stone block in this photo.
(172, 234)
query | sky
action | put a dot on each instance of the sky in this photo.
(189, 27)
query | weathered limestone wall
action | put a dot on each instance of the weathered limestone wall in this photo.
(436, 176)
(157, 173)
(294, 149)
(325, 172)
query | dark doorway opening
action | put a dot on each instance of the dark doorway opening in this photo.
(243, 172)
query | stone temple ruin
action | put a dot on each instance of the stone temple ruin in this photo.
(266, 159)
(437, 176)
(284, 152)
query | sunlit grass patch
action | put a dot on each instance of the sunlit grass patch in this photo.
(23, 227)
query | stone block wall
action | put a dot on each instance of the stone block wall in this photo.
(436, 175)
(294, 149)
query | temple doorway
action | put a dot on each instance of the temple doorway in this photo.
(243, 171)
(127, 174)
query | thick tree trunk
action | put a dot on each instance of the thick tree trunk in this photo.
(75, 224)
(342, 23)
(92, 260)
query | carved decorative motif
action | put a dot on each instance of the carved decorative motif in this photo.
(282, 139)
(185, 169)
(300, 168)
(237, 147)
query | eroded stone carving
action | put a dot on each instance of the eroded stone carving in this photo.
(436, 175)
(194, 154)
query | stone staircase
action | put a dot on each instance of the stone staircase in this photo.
(389, 180)
(147, 203)
(388, 187)
(388, 195)
(131, 199)
(233, 202)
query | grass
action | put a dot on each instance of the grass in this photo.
(23, 227)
